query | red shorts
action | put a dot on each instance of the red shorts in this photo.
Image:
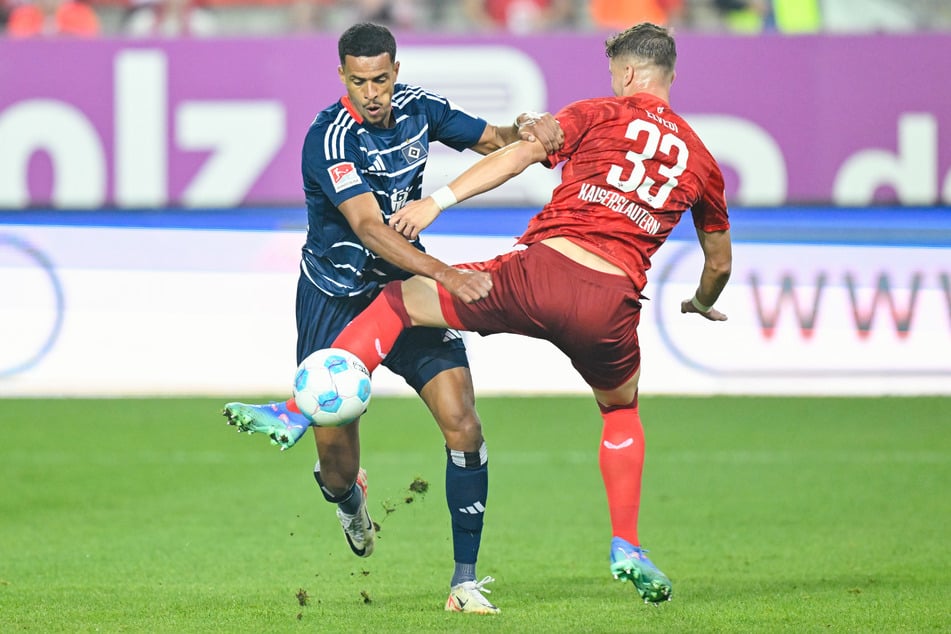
(590, 316)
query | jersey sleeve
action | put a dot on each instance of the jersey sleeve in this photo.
(451, 125)
(710, 212)
(331, 164)
(574, 120)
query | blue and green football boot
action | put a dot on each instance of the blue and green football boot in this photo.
(630, 563)
(274, 420)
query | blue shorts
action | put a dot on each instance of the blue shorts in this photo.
(418, 355)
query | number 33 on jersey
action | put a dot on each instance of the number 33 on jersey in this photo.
(641, 168)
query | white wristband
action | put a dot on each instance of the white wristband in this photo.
(701, 307)
(443, 197)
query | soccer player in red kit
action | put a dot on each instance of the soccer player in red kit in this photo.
(632, 167)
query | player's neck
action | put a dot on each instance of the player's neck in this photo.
(650, 81)
(654, 91)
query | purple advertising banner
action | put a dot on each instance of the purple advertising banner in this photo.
(845, 120)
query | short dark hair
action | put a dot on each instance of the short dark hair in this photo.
(647, 42)
(366, 40)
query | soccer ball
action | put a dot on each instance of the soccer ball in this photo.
(332, 387)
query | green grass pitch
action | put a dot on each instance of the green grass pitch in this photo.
(769, 514)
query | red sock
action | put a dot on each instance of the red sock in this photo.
(621, 457)
(292, 405)
(372, 333)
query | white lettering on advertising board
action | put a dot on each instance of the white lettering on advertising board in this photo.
(150, 132)
(241, 138)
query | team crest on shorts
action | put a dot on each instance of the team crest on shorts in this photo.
(343, 175)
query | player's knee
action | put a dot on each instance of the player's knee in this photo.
(623, 396)
(462, 429)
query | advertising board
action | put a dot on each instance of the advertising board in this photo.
(814, 307)
(842, 120)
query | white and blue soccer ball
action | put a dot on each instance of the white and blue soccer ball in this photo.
(332, 387)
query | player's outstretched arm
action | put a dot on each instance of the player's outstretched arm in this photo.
(488, 173)
(528, 126)
(497, 168)
(363, 214)
(717, 266)
(365, 218)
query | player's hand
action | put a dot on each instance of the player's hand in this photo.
(542, 127)
(469, 286)
(414, 217)
(713, 314)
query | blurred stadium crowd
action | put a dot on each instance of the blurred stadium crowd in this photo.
(203, 18)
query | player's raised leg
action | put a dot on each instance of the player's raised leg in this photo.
(372, 334)
(281, 421)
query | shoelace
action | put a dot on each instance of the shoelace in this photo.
(355, 526)
(479, 587)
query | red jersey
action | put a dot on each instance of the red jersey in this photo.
(633, 167)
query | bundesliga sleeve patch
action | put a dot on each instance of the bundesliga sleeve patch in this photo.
(343, 175)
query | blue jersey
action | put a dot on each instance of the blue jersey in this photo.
(343, 156)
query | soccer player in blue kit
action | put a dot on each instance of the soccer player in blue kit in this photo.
(363, 160)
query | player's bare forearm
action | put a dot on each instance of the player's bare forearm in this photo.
(530, 126)
(395, 249)
(497, 168)
(365, 218)
(712, 282)
(717, 267)
(488, 173)
(469, 286)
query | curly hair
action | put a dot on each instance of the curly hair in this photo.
(366, 40)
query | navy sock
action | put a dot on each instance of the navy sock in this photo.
(463, 572)
(467, 487)
(351, 505)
